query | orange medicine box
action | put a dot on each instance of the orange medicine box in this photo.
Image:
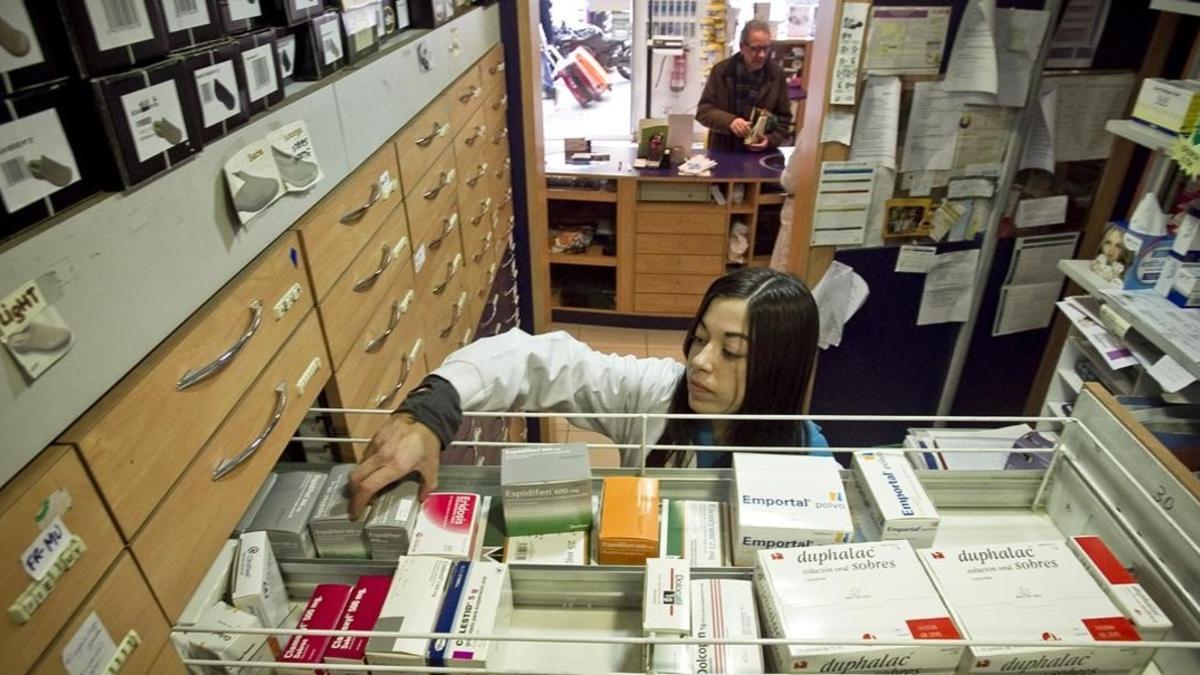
(628, 521)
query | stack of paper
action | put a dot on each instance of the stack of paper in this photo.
(931, 446)
(700, 165)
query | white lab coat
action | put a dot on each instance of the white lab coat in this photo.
(554, 372)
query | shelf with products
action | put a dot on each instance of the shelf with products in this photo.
(1141, 134)
(593, 256)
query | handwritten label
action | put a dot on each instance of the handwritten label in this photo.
(90, 650)
(45, 550)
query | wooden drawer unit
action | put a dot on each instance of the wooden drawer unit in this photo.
(696, 244)
(491, 68)
(680, 222)
(183, 536)
(688, 284)
(438, 248)
(428, 198)
(666, 303)
(356, 295)
(421, 142)
(464, 96)
(55, 479)
(123, 605)
(139, 438)
(679, 264)
(495, 107)
(337, 228)
(472, 145)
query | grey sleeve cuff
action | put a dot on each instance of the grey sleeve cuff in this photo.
(435, 403)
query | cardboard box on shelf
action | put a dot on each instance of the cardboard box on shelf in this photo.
(191, 23)
(319, 48)
(628, 530)
(259, 63)
(41, 51)
(106, 40)
(213, 84)
(285, 513)
(293, 12)
(724, 609)
(896, 501)
(1122, 588)
(222, 646)
(1172, 106)
(412, 605)
(240, 16)
(478, 601)
(323, 612)
(360, 32)
(251, 511)
(333, 533)
(446, 525)
(213, 588)
(546, 489)
(257, 584)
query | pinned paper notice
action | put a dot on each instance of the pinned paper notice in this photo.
(849, 52)
(915, 259)
(973, 63)
(878, 123)
(838, 127)
(946, 297)
(921, 184)
(839, 294)
(1041, 212)
(1039, 144)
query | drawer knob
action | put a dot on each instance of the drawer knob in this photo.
(193, 377)
(485, 205)
(479, 174)
(503, 101)
(368, 281)
(472, 93)
(455, 316)
(498, 68)
(439, 130)
(451, 270)
(480, 130)
(448, 225)
(228, 465)
(357, 214)
(444, 178)
(483, 249)
(399, 309)
(409, 358)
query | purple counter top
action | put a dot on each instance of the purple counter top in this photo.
(745, 166)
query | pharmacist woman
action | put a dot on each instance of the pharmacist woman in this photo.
(750, 350)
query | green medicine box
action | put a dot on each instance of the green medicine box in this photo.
(546, 489)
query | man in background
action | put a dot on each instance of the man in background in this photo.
(740, 89)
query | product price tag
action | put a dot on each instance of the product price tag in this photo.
(90, 650)
(35, 159)
(41, 555)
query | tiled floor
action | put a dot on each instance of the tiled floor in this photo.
(635, 341)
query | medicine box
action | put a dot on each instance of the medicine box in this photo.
(213, 85)
(333, 533)
(390, 523)
(213, 588)
(546, 489)
(1030, 591)
(1187, 236)
(239, 16)
(1124, 590)
(876, 589)
(1170, 105)
(786, 501)
(562, 548)
(724, 609)
(896, 502)
(260, 497)
(446, 525)
(1180, 281)
(257, 583)
(412, 605)
(696, 531)
(478, 601)
(628, 532)
(222, 646)
(285, 513)
(665, 605)
(362, 613)
(323, 612)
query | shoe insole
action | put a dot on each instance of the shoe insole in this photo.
(12, 40)
(38, 337)
(167, 131)
(223, 94)
(256, 192)
(296, 172)
(50, 171)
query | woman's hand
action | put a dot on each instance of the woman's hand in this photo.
(401, 447)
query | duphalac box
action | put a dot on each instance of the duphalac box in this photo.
(323, 612)
(876, 589)
(259, 64)
(1122, 588)
(285, 513)
(251, 511)
(191, 23)
(478, 601)
(628, 532)
(391, 520)
(1172, 106)
(562, 548)
(37, 48)
(43, 165)
(1033, 591)
(724, 609)
(231, 646)
(786, 501)
(362, 613)
(695, 531)
(213, 588)
(239, 16)
(546, 489)
(333, 533)
(319, 48)
(108, 38)
(666, 609)
(213, 83)
(412, 605)
(257, 585)
(896, 501)
(446, 525)
(147, 123)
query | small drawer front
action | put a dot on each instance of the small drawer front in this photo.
(398, 322)
(680, 222)
(478, 211)
(491, 68)
(439, 247)
(475, 180)
(473, 142)
(498, 135)
(428, 198)
(495, 107)
(124, 606)
(680, 264)
(56, 471)
(182, 538)
(345, 310)
(139, 438)
(465, 97)
(699, 244)
(168, 662)
(692, 284)
(501, 171)
(400, 379)
(449, 322)
(667, 303)
(422, 141)
(338, 227)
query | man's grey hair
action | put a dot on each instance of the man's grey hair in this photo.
(753, 26)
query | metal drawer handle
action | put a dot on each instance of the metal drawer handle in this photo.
(357, 214)
(507, 198)
(474, 180)
(234, 462)
(408, 359)
(494, 304)
(480, 130)
(473, 93)
(487, 244)
(485, 205)
(500, 103)
(515, 317)
(448, 225)
(451, 270)
(439, 130)
(491, 276)
(458, 310)
(509, 255)
(504, 168)
(444, 178)
(498, 68)
(194, 377)
(368, 281)
(466, 339)
(399, 309)
(500, 135)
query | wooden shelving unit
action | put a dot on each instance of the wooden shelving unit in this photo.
(582, 195)
(593, 257)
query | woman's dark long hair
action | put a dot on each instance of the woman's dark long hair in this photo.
(783, 327)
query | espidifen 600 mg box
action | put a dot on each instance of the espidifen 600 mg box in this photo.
(898, 505)
(546, 489)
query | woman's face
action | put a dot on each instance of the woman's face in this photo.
(716, 361)
(1111, 246)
